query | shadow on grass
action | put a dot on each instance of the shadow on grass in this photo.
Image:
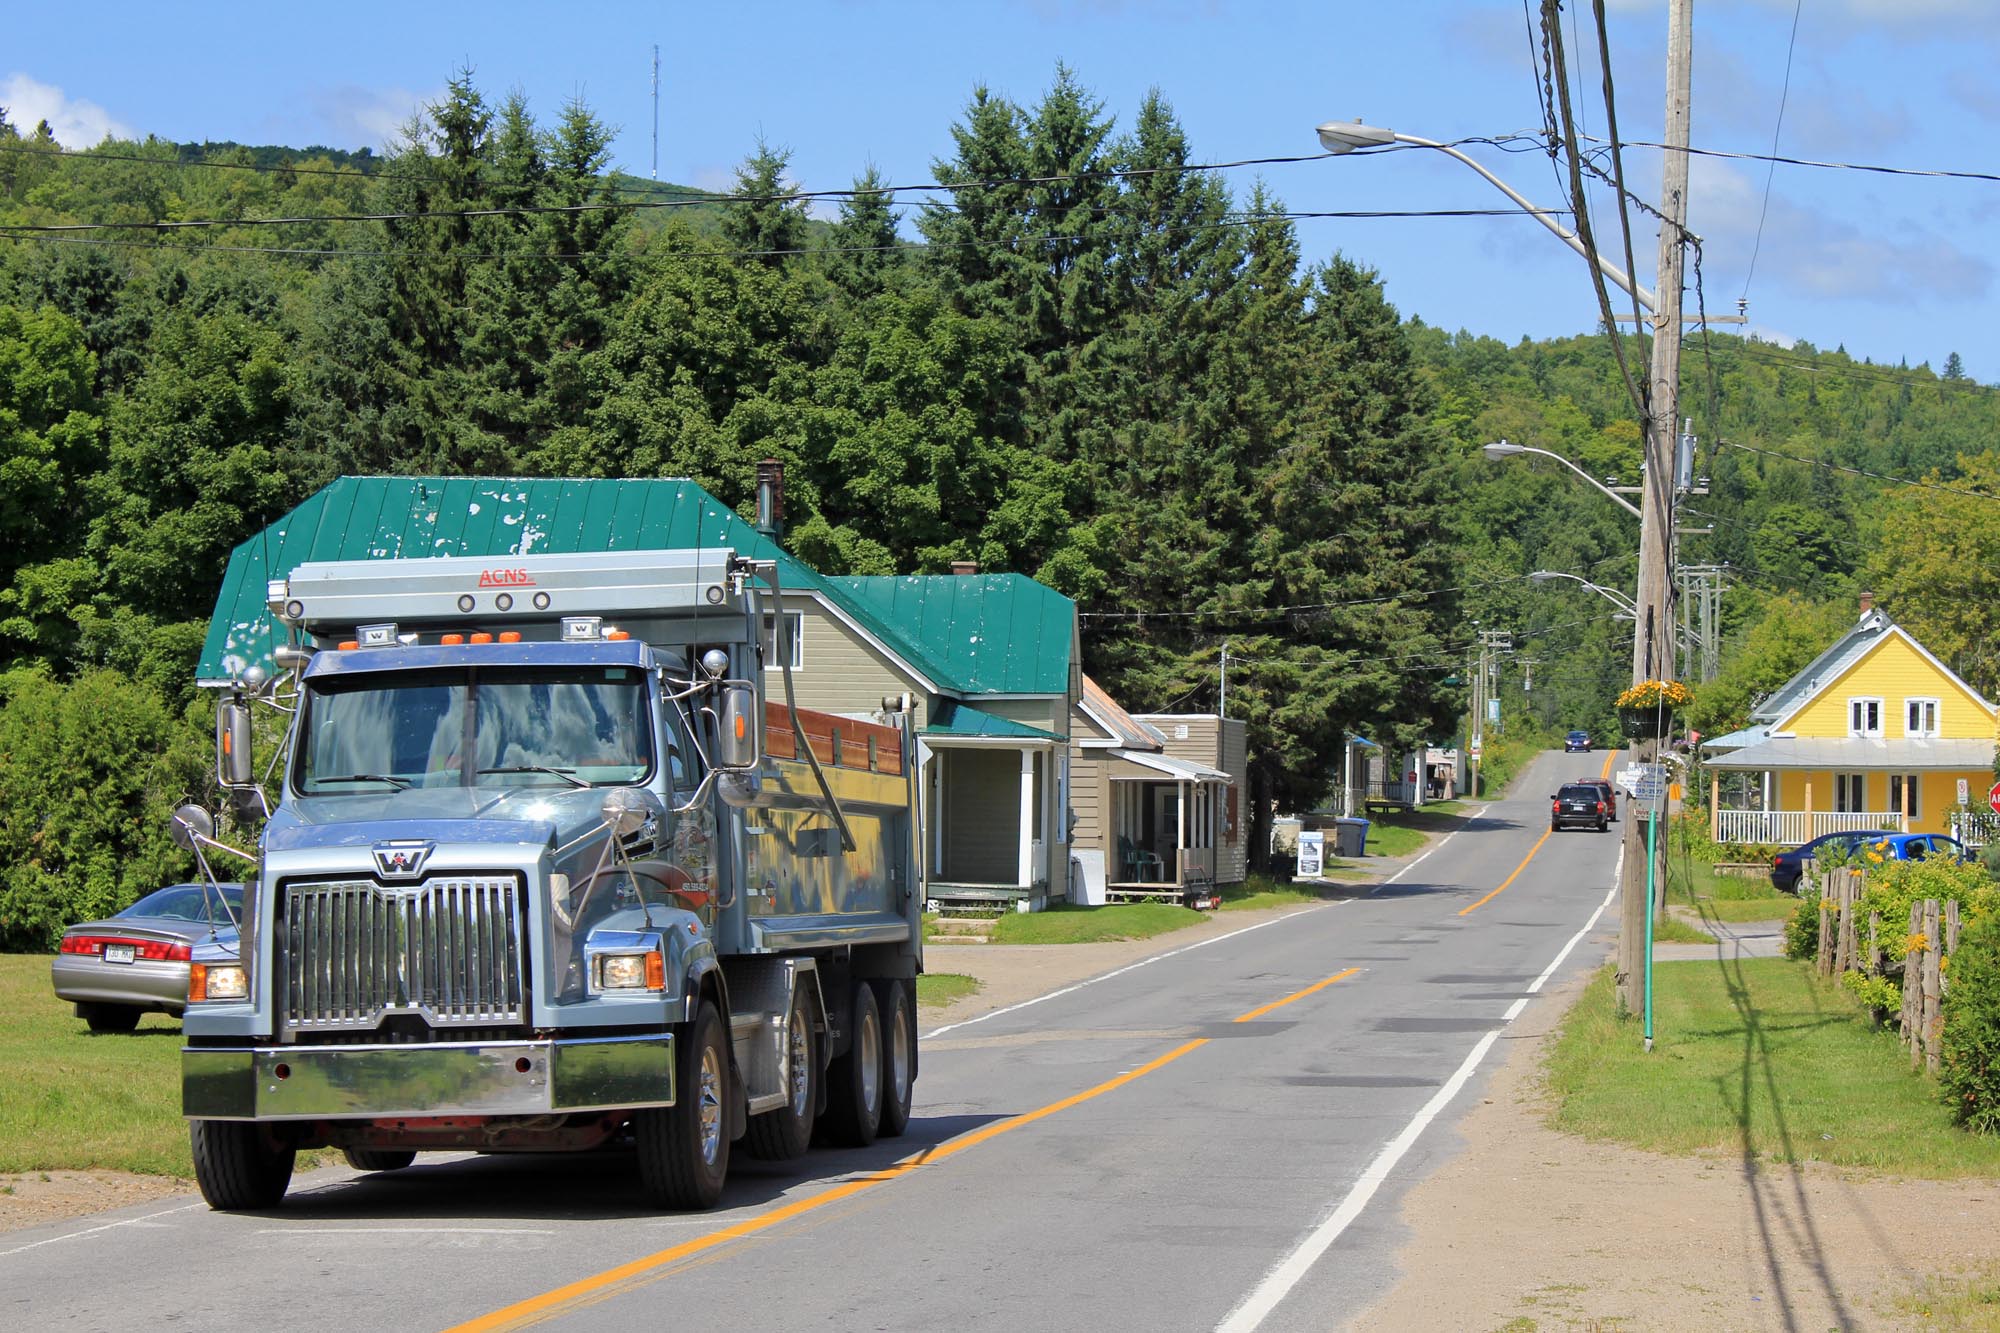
(1797, 1221)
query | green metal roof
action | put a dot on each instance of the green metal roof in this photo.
(953, 718)
(383, 518)
(978, 634)
(982, 633)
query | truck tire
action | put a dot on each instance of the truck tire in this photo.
(684, 1148)
(899, 1055)
(781, 1135)
(377, 1159)
(854, 1081)
(237, 1164)
(108, 1017)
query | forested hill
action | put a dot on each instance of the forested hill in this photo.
(1087, 362)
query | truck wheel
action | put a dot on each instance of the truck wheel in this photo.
(377, 1159)
(899, 1056)
(684, 1148)
(780, 1135)
(237, 1164)
(108, 1017)
(854, 1090)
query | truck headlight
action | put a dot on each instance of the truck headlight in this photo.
(631, 971)
(216, 981)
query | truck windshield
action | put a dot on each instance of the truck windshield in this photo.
(557, 727)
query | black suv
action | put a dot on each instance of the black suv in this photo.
(1577, 806)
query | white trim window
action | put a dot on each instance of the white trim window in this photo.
(1864, 717)
(1850, 793)
(797, 627)
(1920, 718)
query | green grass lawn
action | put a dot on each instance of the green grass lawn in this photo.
(1401, 834)
(1259, 891)
(1747, 909)
(1718, 897)
(1063, 924)
(1757, 1059)
(935, 988)
(1673, 930)
(74, 1101)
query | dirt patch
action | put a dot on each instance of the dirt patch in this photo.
(1526, 1228)
(36, 1198)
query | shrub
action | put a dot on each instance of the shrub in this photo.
(1892, 886)
(89, 772)
(1802, 931)
(1970, 1070)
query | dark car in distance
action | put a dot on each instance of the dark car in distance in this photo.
(1576, 741)
(136, 961)
(1577, 805)
(1786, 867)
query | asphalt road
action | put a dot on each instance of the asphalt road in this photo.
(1218, 1138)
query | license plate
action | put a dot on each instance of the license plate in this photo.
(117, 953)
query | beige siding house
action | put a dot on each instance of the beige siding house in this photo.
(1156, 801)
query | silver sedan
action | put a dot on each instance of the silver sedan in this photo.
(136, 962)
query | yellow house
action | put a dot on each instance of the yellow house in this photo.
(1875, 733)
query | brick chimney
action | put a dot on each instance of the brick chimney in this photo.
(965, 566)
(1867, 604)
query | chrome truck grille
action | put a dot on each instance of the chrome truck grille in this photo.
(448, 951)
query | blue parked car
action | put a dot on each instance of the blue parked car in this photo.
(1889, 845)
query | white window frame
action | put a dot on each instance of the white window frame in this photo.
(1858, 709)
(798, 619)
(1850, 793)
(1926, 729)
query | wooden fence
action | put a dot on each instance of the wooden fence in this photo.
(1848, 944)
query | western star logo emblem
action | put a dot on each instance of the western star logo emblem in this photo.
(402, 860)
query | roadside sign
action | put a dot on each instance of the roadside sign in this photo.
(1312, 855)
(1963, 794)
(1993, 798)
(1476, 741)
(1649, 783)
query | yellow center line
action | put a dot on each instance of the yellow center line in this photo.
(1511, 878)
(535, 1309)
(1609, 755)
(1296, 995)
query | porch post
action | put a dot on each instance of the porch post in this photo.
(1714, 805)
(1027, 862)
(1809, 819)
(937, 812)
(1180, 831)
(1909, 785)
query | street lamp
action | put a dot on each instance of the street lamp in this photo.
(1502, 449)
(1612, 595)
(1344, 136)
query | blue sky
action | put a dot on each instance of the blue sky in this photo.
(1890, 267)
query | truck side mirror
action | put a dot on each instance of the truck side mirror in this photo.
(233, 767)
(741, 724)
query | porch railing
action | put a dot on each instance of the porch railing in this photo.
(1789, 828)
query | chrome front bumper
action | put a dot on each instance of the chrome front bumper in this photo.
(431, 1079)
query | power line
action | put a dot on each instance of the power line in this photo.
(1784, 92)
(1927, 173)
(1278, 611)
(1860, 472)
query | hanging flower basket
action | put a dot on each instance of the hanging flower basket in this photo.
(1646, 710)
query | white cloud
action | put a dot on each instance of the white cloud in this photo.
(75, 122)
(1809, 252)
(355, 117)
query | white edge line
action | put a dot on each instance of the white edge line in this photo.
(1278, 1283)
(1106, 976)
(91, 1231)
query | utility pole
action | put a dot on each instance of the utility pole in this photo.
(1652, 645)
(1222, 695)
(656, 110)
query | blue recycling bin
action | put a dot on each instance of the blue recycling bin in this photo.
(1350, 837)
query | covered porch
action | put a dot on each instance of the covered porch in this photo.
(1787, 791)
(1166, 822)
(990, 824)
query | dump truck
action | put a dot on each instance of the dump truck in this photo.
(539, 867)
